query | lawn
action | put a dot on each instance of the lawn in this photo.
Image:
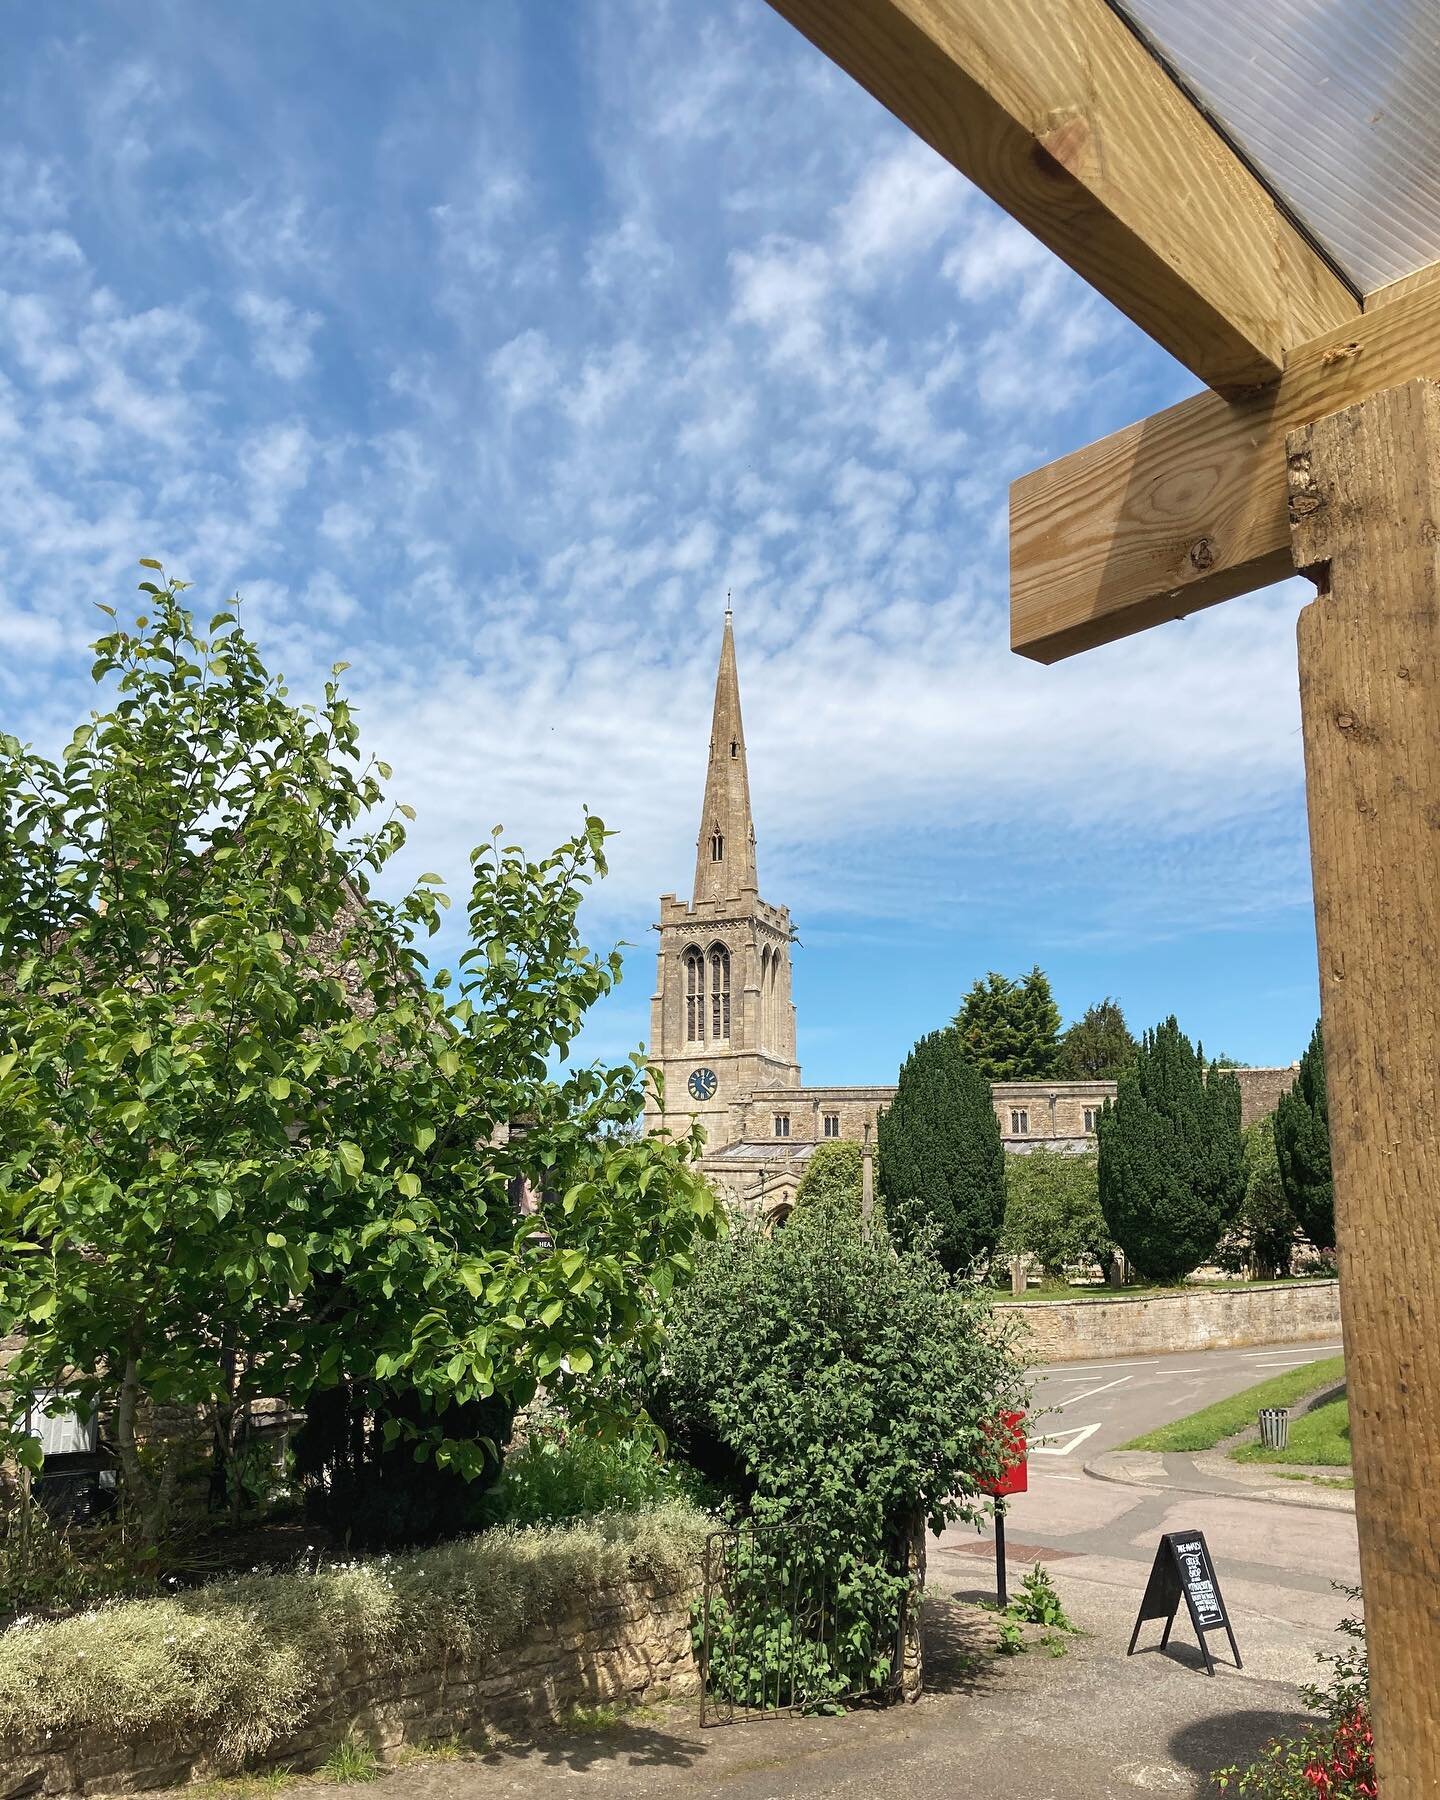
(1210, 1426)
(1142, 1290)
(1321, 1438)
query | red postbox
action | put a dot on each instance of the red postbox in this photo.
(1009, 1428)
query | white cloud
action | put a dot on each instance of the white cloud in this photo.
(281, 333)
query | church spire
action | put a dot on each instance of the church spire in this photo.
(725, 848)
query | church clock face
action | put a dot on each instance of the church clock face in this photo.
(702, 1084)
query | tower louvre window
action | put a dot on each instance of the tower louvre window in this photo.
(719, 991)
(694, 996)
(717, 847)
(734, 749)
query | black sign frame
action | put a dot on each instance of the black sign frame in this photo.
(1182, 1570)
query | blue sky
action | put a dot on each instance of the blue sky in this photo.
(485, 345)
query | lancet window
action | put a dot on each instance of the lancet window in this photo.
(719, 991)
(694, 995)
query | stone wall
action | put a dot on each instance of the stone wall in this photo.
(1208, 1319)
(628, 1643)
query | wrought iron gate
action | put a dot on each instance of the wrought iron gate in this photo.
(775, 1639)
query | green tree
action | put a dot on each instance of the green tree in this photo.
(1172, 1170)
(1052, 1210)
(942, 1163)
(833, 1175)
(1263, 1234)
(1098, 1045)
(258, 1150)
(1010, 1030)
(1302, 1147)
(825, 1377)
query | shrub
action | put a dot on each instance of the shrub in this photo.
(1052, 1210)
(1335, 1758)
(942, 1164)
(1302, 1147)
(834, 1173)
(1172, 1173)
(558, 1473)
(828, 1381)
(245, 1662)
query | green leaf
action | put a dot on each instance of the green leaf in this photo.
(149, 562)
(279, 1088)
(408, 1184)
(423, 1137)
(352, 1157)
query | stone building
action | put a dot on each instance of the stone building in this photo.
(722, 1023)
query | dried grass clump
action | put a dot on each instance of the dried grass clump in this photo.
(247, 1662)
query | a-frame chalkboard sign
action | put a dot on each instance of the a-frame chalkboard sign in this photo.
(1182, 1570)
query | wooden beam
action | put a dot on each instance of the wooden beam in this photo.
(1365, 503)
(1064, 118)
(1188, 507)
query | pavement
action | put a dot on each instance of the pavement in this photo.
(1093, 1723)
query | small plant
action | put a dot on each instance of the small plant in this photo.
(1335, 1758)
(1038, 1603)
(1009, 1640)
(592, 1720)
(349, 1763)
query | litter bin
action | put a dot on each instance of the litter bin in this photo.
(1274, 1427)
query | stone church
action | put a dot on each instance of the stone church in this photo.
(722, 1022)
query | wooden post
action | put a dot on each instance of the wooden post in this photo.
(1364, 495)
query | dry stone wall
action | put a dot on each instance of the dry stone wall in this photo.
(629, 1643)
(1208, 1319)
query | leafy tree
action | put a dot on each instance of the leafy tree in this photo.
(1010, 1029)
(1172, 1171)
(833, 1175)
(1302, 1147)
(942, 1163)
(1098, 1045)
(257, 1149)
(1052, 1210)
(1263, 1235)
(826, 1378)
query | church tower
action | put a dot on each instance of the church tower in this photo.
(722, 1024)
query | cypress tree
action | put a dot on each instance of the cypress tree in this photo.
(1302, 1147)
(1172, 1164)
(942, 1164)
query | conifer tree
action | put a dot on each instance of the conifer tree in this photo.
(1010, 1030)
(1172, 1165)
(1302, 1147)
(942, 1163)
(1098, 1045)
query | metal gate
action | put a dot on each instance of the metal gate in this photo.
(776, 1639)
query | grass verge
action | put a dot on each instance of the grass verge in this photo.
(1144, 1290)
(1320, 1438)
(1210, 1426)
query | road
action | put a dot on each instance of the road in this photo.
(1277, 1564)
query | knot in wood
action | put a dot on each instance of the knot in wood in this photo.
(1202, 554)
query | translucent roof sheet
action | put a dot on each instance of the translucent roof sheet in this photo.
(1336, 106)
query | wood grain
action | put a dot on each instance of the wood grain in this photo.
(1062, 116)
(1365, 502)
(1187, 507)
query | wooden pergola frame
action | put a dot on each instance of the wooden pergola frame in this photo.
(1317, 448)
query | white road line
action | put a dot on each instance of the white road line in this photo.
(1054, 1370)
(1046, 1446)
(1105, 1386)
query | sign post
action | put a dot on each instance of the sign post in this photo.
(1182, 1570)
(1014, 1478)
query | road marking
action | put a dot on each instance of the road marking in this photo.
(1104, 1388)
(1046, 1446)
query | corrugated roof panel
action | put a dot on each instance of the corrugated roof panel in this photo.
(1335, 103)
